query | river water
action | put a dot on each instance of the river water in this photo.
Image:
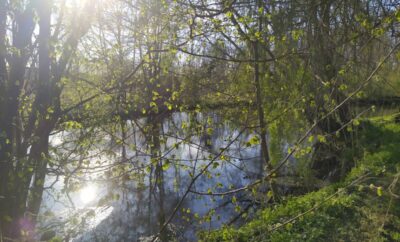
(92, 203)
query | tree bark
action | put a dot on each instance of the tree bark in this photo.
(5, 146)
(45, 106)
(11, 83)
(159, 174)
(260, 108)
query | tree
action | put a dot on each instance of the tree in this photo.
(30, 106)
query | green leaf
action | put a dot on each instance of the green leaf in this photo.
(379, 191)
(321, 138)
(166, 165)
(234, 199)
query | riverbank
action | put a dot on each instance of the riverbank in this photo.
(363, 207)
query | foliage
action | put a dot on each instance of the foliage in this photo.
(364, 212)
(114, 92)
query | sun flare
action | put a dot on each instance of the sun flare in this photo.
(88, 194)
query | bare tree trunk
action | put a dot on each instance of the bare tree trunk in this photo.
(5, 145)
(39, 152)
(11, 83)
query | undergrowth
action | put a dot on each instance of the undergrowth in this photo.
(363, 207)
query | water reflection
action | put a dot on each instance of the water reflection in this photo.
(88, 193)
(123, 204)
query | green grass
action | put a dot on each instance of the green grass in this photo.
(362, 212)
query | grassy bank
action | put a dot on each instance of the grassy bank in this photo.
(364, 207)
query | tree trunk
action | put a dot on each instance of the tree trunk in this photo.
(260, 110)
(326, 161)
(159, 174)
(11, 83)
(5, 145)
(44, 100)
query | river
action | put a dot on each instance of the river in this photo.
(108, 197)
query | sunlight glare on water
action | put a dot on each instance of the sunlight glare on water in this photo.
(88, 193)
